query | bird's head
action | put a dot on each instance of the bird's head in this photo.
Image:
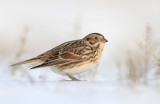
(94, 39)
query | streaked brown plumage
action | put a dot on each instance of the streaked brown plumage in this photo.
(73, 57)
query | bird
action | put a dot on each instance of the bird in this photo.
(72, 57)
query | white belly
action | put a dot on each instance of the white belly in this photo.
(75, 70)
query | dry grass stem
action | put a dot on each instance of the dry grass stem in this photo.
(139, 59)
(20, 51)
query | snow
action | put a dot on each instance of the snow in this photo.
(19, 90)
(76, 92)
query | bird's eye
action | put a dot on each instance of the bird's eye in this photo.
(96, 37)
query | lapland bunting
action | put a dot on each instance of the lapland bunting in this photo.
(72, 57)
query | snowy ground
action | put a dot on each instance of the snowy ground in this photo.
(16, 90)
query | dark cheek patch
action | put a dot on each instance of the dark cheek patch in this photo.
(92, 43)
(88, 39)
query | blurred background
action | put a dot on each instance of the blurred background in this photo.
(130, 59)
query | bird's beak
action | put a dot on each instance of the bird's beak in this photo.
(104, 40)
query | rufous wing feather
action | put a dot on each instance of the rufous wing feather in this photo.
(70, 56)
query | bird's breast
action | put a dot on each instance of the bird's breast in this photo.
(79, 69)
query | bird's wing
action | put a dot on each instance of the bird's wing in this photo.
(64, 54)
(63, 58)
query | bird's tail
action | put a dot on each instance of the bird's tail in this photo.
(27, 61)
